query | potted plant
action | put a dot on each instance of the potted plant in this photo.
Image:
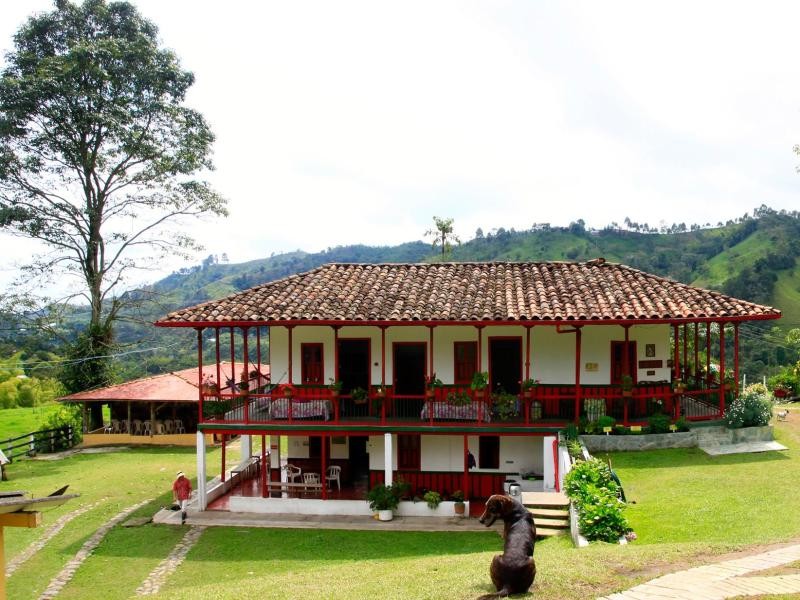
(288, 390)
(244, 380)
(359, 395)
(504, 405)
(528, 387)
(209, 385)
(384, 499)
(431, 383)
(460, 398)
(432, 499)
(380, 391)
(679, 386)
(458, 498)
(627, 386)
(335, 387)
(480, 381)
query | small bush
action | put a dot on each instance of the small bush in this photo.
(682, 424)
(571, 432)
(748, 410)
(605, 421)
(757, 388)
(433, 499)
(592, 488)
(575, 449)
(659, 423)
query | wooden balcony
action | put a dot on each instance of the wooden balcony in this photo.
(456, 406)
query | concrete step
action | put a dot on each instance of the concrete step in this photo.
(549, 513)
(544, 500)
(548, 532)
(551, 523)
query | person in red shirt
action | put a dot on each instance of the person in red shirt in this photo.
(181, 492)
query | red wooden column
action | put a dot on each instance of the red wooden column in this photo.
(324, 467)
(233, 362)
(430, 349)
(685, 357)
(721, 368)
(625, 368)
(258, 354)
(199, 378)
(736, 357)
(263, 472)
(528, 351)
(577, 373)
(708, 354)
(222, 469)
(216, 339)
(290, 328)
(696, 353)
(383, 373)
(465, 482)
(676, 359)
(246, 363)
(336, 369)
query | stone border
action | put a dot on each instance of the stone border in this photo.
(158, 576)
(68, 572)
(638, 442)
(16, 562)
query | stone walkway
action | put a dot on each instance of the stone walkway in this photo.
(59, 581)
(48, 535)
(725, 579)
(159, 575)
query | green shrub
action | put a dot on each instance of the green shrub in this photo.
(433, 499)
(67, 415)
(605, 421)
(571, 432)
(659, 423)
(575, 449)
(682, 424)
(621, 430)
(758, 388)
(592, 488)
(748, 410)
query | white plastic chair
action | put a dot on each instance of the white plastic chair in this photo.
(334, 473)
(311, 479)
(178, 425)
(137, 427)
(292, 473)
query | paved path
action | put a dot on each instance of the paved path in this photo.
(166, 567)
(725, 579)
(48, 535)
(60, 580)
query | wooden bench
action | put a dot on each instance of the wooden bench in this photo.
(279, 486)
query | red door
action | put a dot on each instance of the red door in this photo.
(618, 360)
(311, 364)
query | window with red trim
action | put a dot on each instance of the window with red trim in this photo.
(466, 361)
(408, 452)
(311, 365)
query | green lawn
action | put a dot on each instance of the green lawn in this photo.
(688, 509)
(19, 421)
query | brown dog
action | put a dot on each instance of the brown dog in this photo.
(512, 571)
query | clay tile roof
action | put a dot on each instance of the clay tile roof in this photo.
(471, 292)
(177, 386)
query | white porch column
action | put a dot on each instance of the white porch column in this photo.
(548, 463)
(247, 447)
(387, 458)
(201, 471)
(275, 455)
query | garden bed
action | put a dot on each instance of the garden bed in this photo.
(638, 442)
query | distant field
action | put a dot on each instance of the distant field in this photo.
(19, 421)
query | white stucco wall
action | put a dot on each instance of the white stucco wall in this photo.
(299, 445)
(552, 353)
(445, 453)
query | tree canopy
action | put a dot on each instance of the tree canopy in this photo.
(98, 152)
(443, 235)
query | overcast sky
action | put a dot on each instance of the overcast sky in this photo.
(341, 122)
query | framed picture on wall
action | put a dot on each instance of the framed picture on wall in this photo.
(650, 350)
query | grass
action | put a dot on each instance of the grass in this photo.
(19, 421)
(689, 508)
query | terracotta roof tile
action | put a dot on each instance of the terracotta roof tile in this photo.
(499, 291)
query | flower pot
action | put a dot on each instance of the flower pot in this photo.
(527, 394)
(385, 515)
(430, 394)
(459, 507)
(780, 393)
(627, 393)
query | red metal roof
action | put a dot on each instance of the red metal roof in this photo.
(177, 386)
(496, 292)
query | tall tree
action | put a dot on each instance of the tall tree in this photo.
(98, 154)
(443, 235)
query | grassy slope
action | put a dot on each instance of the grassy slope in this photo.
(19, 421)
(787, 297)
(731, 260)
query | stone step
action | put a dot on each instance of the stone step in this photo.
(549, 513)
(544, 500)
(547, 532)
(551, 523)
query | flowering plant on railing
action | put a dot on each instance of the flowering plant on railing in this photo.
(459, 398)
(209, 386)
(528, 387)
(480, 381)
(627, 385)
(335, 387)
(431, 383)
(288, 390)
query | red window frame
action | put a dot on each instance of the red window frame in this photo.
(408, 452)
(308, 369)
(464, 365)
